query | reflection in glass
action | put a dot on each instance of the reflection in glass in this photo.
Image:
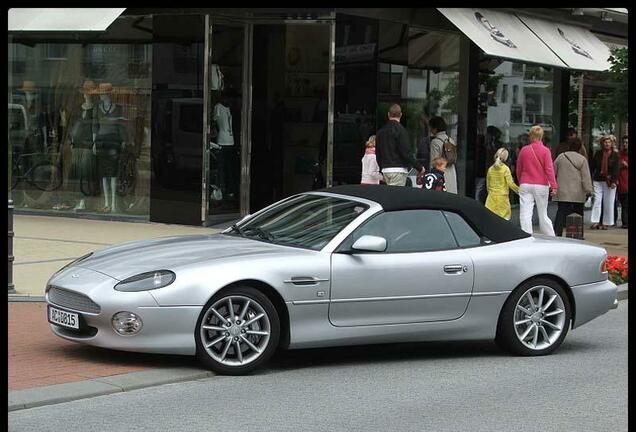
(226, 78)
(504, 122)
(79, 124)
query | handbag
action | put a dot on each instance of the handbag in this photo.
(544, 174)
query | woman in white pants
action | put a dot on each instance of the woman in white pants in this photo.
(605, 170)
(535, 173)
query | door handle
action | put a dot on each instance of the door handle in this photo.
(305, 280)
(455, 269)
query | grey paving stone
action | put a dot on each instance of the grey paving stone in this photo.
(154, 377)
(58, 393)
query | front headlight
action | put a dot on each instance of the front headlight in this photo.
(146, 281)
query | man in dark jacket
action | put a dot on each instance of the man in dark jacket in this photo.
(392, 150)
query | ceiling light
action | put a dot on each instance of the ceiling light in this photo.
(577, 12)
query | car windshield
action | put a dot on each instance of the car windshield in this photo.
(306, 221)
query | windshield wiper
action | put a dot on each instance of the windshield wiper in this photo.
(265, 235)
(239, 230)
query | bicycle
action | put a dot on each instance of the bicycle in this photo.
(41, 174)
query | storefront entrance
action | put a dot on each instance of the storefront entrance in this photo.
(290, 85)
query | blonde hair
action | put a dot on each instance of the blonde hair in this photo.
(501, 156)
(609, 138)
(439, 161)
(370, 141)
(535, 133)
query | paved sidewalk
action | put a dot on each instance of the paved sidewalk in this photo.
(43, 244)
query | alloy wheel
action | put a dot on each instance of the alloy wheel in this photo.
(539, 317)
(235, 330)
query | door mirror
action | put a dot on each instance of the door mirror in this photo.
(370, 243)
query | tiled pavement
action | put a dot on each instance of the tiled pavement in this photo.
(39, 358)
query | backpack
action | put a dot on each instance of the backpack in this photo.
(450, 151)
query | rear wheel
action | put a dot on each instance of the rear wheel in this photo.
(535, 318)
(237, 332)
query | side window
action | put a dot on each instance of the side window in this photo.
(465, 235)
(408, 231)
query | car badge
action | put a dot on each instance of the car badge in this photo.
(75, 275)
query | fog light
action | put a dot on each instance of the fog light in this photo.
(126, 323)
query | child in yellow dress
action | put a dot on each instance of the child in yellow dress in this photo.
(498, 183)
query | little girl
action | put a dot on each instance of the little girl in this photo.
(498, 183)
(370, 169)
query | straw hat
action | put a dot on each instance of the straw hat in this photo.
(88, 87)
(104, 88)
(28, 86)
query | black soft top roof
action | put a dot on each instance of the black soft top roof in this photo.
(394, 198)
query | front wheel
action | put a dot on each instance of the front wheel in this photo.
(535, 318)
(237, 331)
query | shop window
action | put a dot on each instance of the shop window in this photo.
(79, 130)
(507, 126)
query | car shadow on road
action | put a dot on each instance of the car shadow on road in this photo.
(381, 353)
(287, 360)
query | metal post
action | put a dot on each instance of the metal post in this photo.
(579, 125)
(11, 287)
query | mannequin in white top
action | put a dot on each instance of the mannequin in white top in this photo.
(226, 161)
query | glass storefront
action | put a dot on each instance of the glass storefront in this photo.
(382, 62)
(513, 96)
(199, 117)
(79, 122)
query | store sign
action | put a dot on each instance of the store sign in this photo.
(355, 53)
(578, 47)
(501, 34)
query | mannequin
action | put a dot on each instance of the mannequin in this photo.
(225, 139)
(37, 133)
(82, 143)
(110, 138)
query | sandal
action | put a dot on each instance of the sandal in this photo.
(602, 227)
(594, 226)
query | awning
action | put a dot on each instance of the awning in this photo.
(578, 47)
(501, 34)
(62, 19)
(530, 39)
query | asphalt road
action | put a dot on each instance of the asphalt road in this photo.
(402, 387)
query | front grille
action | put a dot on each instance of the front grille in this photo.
(72, 300)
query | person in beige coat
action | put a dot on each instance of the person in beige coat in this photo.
(575, 183)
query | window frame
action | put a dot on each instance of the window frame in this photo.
(343, 248)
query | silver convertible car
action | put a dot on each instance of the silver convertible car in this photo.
(340, 266)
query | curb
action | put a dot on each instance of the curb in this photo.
(26, 298)
(621, 294)
(60, 393)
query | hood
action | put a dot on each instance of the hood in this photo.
(128, 259)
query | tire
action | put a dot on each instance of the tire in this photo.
(519, 322)
(46, 177)
(223, 356)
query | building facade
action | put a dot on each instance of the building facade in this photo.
(196, 116)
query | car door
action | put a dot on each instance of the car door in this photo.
(421, 276)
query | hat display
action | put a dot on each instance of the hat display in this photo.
(28, 86)
(88, 87)
(104, 88)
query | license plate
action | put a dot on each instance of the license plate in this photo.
(63, 318)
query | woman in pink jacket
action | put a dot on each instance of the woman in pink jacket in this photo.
(535, 173)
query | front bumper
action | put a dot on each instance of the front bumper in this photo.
(166, 330)
(593, 300)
